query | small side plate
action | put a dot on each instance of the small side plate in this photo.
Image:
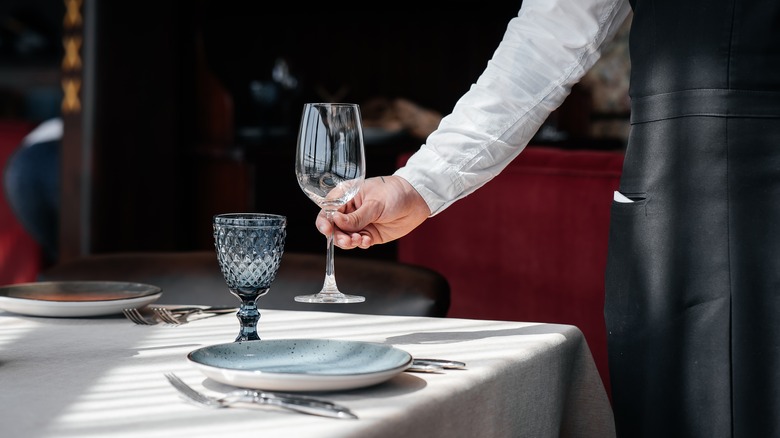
(76, 298)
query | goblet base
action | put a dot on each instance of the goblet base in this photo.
(334, 298)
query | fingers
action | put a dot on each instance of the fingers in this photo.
(343, 239)
(352, 240)
(323, 224)
(348, 235)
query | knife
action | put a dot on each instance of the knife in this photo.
(299, 403)
(421, 365)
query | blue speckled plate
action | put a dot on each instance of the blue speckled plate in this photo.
(300, 364)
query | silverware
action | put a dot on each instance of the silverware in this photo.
(421, 365)
(173, 315)
(297, 403)
(181, 315)
(137, 317)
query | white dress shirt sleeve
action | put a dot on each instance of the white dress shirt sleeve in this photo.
(546, 49)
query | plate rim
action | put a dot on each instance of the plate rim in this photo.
(28, 306)
(153, 290)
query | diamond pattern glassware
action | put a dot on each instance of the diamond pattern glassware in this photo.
(249, 250)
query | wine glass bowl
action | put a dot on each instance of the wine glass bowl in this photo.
(249, 250)
(330, 168)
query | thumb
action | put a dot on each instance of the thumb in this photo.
(351, 222)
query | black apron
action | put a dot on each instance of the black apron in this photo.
(693, 273)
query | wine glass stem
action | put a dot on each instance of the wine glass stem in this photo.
(330, 273)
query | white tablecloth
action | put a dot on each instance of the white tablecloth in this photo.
(103, 377)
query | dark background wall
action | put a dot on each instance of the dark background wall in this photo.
(180, 116)
(430, 56)
(160, 166)
(30, 54)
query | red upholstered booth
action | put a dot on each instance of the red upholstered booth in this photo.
(20, 255)
(531, 245)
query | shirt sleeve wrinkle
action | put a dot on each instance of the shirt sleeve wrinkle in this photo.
(546, 49)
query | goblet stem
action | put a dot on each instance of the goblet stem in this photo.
(248, 316)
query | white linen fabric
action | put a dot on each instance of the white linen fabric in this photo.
(103, 377)
(546, 49)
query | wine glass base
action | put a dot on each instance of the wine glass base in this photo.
(329, 298)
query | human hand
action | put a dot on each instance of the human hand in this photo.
(386, 208)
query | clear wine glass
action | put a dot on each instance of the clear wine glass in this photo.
(330, 166)
(249, 251)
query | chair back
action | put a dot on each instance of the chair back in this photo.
(390, 287)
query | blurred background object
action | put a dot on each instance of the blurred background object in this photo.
(30, 93)
(32, 186)
(175, 111)
(30, 55)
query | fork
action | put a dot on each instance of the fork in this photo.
(181, 315)
(306, 405)
(135, 315)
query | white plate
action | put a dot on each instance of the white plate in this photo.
(300, 364)
(76, 298)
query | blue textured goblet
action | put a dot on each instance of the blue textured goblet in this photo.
(249, 251)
